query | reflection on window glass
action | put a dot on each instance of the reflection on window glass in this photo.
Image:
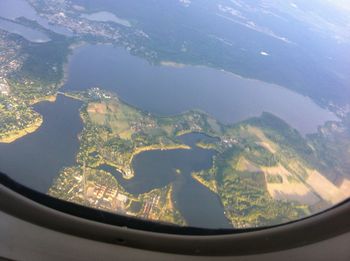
(212, 114)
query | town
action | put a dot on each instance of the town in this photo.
(17, 118)
(99, 189)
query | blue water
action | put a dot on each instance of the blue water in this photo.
(168, 90)
(27, 33)
(36, 159)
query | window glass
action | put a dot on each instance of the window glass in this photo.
(202, 113)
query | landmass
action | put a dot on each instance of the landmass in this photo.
(267, 173)
(264, 171)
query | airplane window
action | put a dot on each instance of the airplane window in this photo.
(196, 113)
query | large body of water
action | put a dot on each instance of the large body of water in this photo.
(167, 90)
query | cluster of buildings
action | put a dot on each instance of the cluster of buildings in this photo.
(149, 206)
(4, 87)
(139, 126)
(101, 195)
(106, 197)
(64, 14)
(228, 141)
(341, 112)
(113, 199)
(9, 61)
(97, 93)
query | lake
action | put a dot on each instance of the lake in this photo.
(166, 90)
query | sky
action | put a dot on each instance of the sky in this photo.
(343, 4)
